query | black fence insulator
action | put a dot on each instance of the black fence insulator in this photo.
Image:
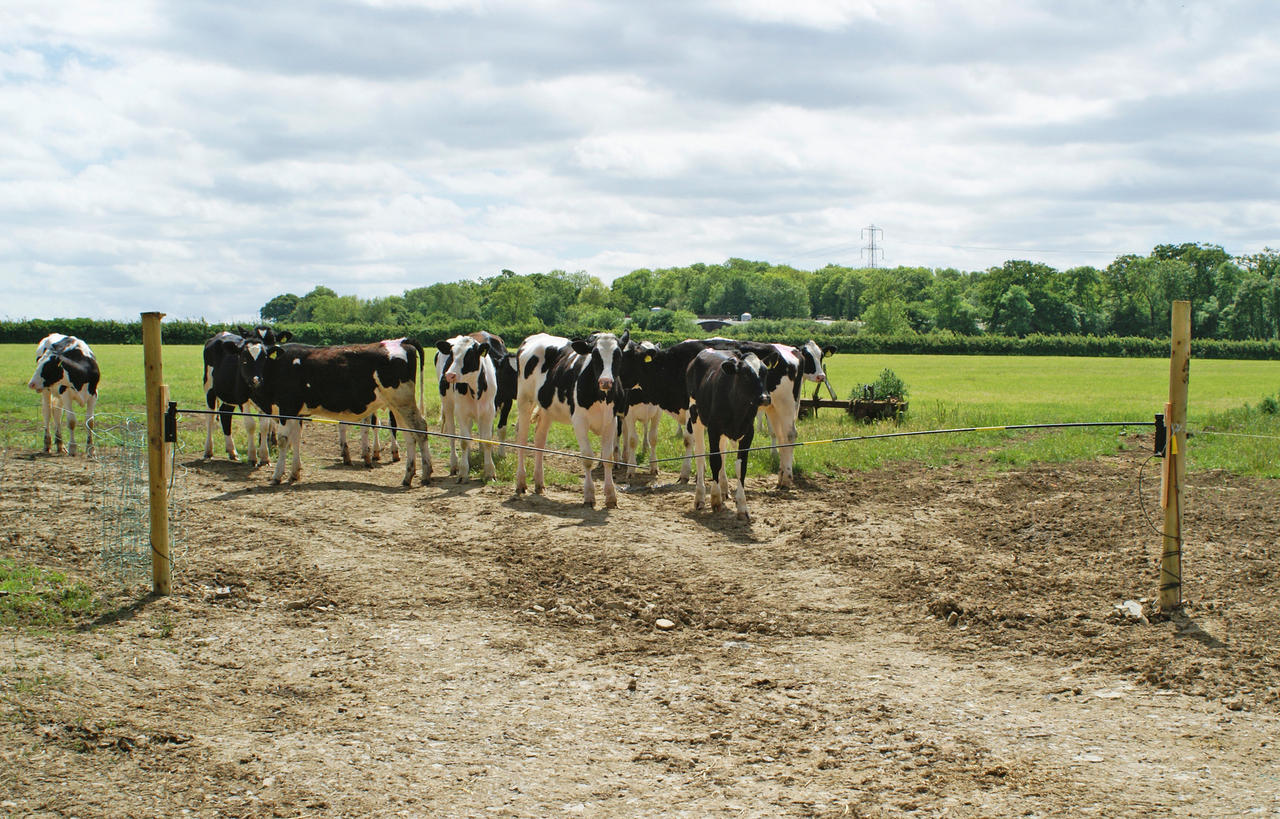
(1162, 434)
(171, 423)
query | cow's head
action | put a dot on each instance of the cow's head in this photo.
(811, 355)
(467, 359)
(750, 372)
(254, 357)
(49, 371)
(607, 356)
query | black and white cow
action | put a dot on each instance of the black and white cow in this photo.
(578, 382)
(225, 390)
(811, 355)
(642, 411)
(467, 372)
(345, 383)
(784, 374)
(66, 372)
(726, 389)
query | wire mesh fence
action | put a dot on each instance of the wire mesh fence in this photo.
(124, 531)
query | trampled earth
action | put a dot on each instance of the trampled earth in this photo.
(917, 641)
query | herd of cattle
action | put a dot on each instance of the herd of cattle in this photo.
(604, 385)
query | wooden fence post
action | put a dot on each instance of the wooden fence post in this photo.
(157, 454)
(1175, 458)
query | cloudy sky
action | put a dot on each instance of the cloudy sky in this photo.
(200, 156)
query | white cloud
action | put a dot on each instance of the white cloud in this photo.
(199, 157)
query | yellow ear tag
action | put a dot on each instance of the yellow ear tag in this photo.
(648, 359)
(484, 351)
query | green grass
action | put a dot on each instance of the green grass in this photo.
(945, 391)
(33, 597)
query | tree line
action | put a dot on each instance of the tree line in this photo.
(1232, 297)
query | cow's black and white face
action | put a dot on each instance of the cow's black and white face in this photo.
(49, 372)
(606, 351)
(813, 355)
(254, 356)
(752, 370)
(467, 356)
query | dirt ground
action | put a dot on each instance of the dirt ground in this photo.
(910, 642)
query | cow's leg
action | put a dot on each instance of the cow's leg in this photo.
(266, 431)
(540, 443)
(46, 413)
(588, 457)
(740, 497)
(366, 454)
(652, 441)
(69, 410)
(608, 443)
(395, 443)
(90, 404)
(376, 432)
(449, 425)
(414, 424)
(716, 441)
(250, 424)
(523, 414)
(342, 444)
(59, 410)
(289, 435)
(699, 435)
(503, 412)
(463, 421)
(783, 430)
(210, 420)
(484, 423)
(688, 439)
(224, 418)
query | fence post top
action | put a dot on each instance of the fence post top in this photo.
(153, 314)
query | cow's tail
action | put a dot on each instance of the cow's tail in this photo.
(422, 360)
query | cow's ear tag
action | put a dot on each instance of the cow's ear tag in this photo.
(484, 351)
(773, 365)
(648, 359)
(273, 355)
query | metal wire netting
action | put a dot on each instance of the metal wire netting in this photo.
(124, 533)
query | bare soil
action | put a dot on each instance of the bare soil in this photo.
(914, 641)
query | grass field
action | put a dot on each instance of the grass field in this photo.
(945, 392)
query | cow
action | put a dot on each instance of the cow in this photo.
(785, 373)
(578, 382)
(226, 390)
(66, 368)
(467, 372)
(642, 409)
(345, 383)
(725, 391)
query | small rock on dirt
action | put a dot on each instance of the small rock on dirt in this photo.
(664, 624)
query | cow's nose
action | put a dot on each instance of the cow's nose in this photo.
(452, 378)
(765, 400)
(255, 382)
(33, 385)
(606, 384)
(819, 378)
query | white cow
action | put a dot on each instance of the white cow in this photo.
(66, 372)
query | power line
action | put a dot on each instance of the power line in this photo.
(871, 250)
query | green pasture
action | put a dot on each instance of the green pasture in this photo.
(945, 392)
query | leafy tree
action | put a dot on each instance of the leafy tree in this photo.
(510, 302)
(950, 309)
(280, 308)
(1015, 312)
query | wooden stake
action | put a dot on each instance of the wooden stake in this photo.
(1175, 457)
(157, 453)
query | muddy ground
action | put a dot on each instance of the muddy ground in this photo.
(909, 642)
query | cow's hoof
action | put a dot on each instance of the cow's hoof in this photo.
(395, 459)
(611, 503)
(275, 481)
(746, 516)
